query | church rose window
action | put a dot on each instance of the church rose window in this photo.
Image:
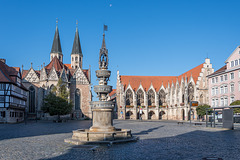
(140, 98)
(151, 98)
(129, 97)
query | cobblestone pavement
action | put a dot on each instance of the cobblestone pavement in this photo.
(158, 140)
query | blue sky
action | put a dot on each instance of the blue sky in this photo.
(147, 37)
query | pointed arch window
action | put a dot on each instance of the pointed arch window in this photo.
(151, 98)
(77, 99)
(76, 58)
(162, 97)
(140, 98)
(129, 97)
(31, 100)
(190, 92)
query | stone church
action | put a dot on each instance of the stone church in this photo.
(78, 80)
(163, 97)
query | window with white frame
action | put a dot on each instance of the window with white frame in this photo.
(232, 88)
(232, 63)
(213, 80)
(221, 90)
(213, 90)
(216, 90)
(225, 101)
(213, 102)
(225, 89)
(216, 102)
(216, 79)
(231, 75)
(231, 99)
(221, 77)
(236, 62)
(222, 102)
(225, 77)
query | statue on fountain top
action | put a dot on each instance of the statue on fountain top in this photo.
(103, 55)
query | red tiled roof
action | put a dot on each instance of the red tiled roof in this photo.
(219, 70)
(112, 93)
(58, 65)
(68, 65)
(157, 81)
(85, 71)
(8, 74)
(24, 73)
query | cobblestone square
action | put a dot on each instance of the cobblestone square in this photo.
(158, 140)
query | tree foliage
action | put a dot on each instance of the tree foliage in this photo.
(56, 102)
(236, 110)
(201, 110)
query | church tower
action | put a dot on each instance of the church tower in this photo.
(76, 55)
(56, 47)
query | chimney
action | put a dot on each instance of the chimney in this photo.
(3, 60)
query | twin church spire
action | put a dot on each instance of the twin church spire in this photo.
(76, 55)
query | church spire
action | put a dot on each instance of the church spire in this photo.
(56, 46)
(76, 44)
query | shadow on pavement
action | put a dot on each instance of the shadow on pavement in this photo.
(192, 145)
(33, 128)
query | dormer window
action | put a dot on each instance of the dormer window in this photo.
(232, 63)
(236, 62)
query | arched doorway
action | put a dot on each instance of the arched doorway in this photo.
(129, 115)
(161, 114)
(191, 114)
(142, 115)
(151, 115)
(183, 114)
(31, 100)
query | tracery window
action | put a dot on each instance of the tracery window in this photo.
(151, 98)
(190, 92)
(162, 97)
(129, 97)
(140, 98)
(31, 100)
(77, 99)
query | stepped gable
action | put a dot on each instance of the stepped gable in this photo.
(193, 72)
(158, 81)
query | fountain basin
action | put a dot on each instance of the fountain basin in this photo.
(85, 136)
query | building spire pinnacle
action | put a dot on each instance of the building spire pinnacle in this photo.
(103, 41)
(76, 43)
(56, 46)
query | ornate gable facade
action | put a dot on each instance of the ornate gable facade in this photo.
(41, 82)
(162, 97)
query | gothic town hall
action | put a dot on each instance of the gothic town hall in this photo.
(78, 80)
